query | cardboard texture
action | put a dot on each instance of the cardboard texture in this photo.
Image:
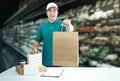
(20, 70)
(65, 49)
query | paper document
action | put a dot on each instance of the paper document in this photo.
(53, 72)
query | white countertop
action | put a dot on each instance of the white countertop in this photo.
(69, 74)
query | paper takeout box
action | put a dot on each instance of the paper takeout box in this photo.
(30, 69)
(33, 66)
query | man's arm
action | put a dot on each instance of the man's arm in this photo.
(35, 48)
(70, 28)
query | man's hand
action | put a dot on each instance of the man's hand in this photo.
(34, 51)
(35, 48)
(68, 25)
(66, 22)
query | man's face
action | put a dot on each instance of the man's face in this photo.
(52, 13)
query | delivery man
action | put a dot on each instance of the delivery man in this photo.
(45, 33)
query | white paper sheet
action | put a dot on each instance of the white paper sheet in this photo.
(53, 72)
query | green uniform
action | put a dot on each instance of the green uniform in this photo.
(45, 34)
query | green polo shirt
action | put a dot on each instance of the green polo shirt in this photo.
(45, 34)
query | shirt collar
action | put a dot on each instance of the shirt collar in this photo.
(53, 22)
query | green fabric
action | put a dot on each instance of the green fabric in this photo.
(45, 34)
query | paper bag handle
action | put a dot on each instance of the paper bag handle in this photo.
(61, 27)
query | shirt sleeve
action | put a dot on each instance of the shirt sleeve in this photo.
(39, 36)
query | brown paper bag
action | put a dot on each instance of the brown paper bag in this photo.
(65, 49)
